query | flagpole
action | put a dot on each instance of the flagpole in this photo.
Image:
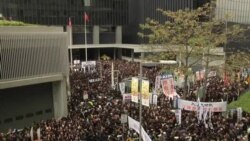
(70, 43)
(85, 38)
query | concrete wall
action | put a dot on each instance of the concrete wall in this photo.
(21, 106)
(31, 29)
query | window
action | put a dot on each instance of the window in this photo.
(29, 115)
(8, 120)
(48, 111)
(87, 3)
(19, 117)
(39, 113)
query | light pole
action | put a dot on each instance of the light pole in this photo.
(140, 109)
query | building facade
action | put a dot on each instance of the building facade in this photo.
(33, 75)
(235, 12)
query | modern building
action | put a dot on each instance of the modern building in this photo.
(231, 12)
(33, 75)
(111, 22)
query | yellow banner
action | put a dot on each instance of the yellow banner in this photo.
(145, 92)
(134, 89)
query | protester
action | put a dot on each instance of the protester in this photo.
(97, 116)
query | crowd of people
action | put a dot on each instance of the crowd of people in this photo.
(98, 116)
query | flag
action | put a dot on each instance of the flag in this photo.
(86, 17)
(38, 134)
(31, 134)
(69, 22)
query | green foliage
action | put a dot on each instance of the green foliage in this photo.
(243, 102)
(191, 33)
(12, 23)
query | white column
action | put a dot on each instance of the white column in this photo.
(118, 34)
(96, 34)
(60, 99)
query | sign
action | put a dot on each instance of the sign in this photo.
(200, 75)
(206, 106)
(124, 118)
(134, 89)
(85, 95)
(126, 97)
(155, 96)
(157, 82)
(94, 80)
(212, 74)
(76, 62)
(122, 87)
(178, 115)
(88, 63)
(239, 113)
(168, 86)
(145, 93)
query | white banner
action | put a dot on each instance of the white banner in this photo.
(134, 90)
(122, 87)
(212, 74)
(85, 95)
(136, 126)
(157, 82)
(124, 118)
(178, 115)
(126, 97)
(145, 93)
(155, 96)
(94, 80)
(239, 113)
(193, 106)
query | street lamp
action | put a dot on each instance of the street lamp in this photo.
(140, 109)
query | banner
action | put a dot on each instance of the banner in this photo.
(157, 82)
(239, 113)
(168, 86)
(85, 95)
(155, 96)
(133, 124)
(126, 97)
(134, 89)
(193, 106)
(145, 93)
(212, 74)
(178, 116)
(200, 75)
(122, 87)
(94, 80)
(124, 118)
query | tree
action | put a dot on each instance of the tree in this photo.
(191, 33)
(236, 62)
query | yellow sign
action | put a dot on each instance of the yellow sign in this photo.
(145, 89)
(134, 86)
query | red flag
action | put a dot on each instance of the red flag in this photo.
(69, 22)
(86, 17)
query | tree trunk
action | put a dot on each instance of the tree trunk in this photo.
(206, 75)
(186, 73)
(185, 86)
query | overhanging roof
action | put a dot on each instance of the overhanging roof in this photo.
(138, 48)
